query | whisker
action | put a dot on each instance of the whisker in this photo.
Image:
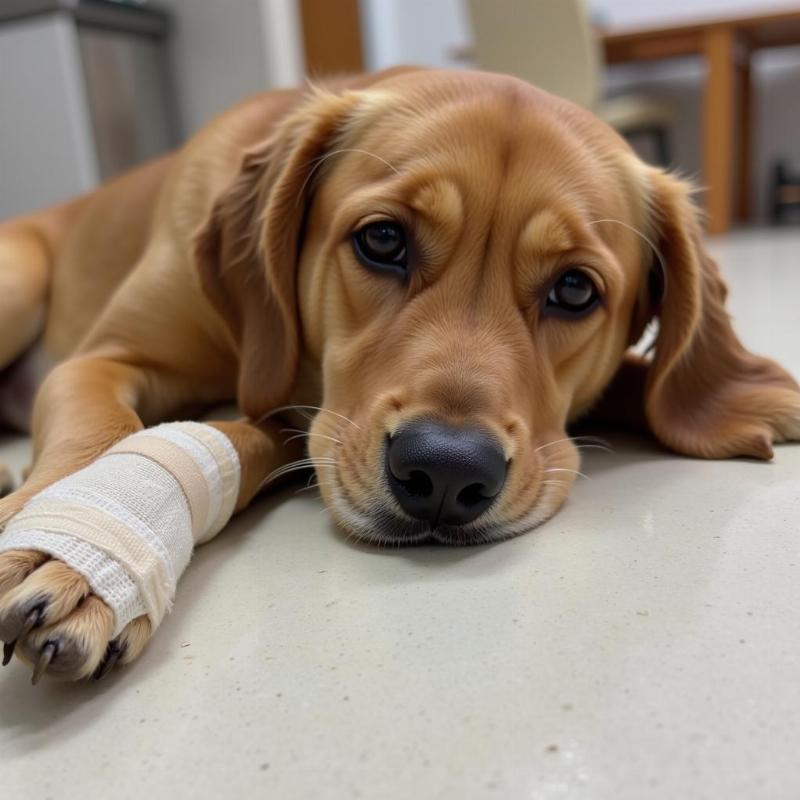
(303, 462)
(298, 466)
(300, 434)
(595, 447)
(321, 159)
(644, 238)
(305, 414)
(307, 489)
(316, 485)
(591, 440)
(299, 408)
(564, 469)
(294, 467)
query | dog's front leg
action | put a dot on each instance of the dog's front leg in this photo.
(97, 598)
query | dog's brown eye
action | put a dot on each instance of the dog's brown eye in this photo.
(382, 246)
(573, 293)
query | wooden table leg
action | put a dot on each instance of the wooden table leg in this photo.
(744, 131)
(718, 127)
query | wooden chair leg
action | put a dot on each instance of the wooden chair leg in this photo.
(718, 127)
(744, 147)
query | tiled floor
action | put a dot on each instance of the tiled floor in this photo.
(645, 643)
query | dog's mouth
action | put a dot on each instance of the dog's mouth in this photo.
(379, 524)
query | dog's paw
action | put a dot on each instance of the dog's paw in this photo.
(50, 618)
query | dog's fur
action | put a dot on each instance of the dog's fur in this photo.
(225, 272)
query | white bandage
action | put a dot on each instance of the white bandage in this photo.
(129, 521)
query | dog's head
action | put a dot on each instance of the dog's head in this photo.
(465, 261)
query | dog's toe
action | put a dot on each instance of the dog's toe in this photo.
(50, 619)
(73, 647)
(48, 594)
(126, 647)
(16, 565)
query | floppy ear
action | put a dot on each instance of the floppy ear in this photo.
(248, 248)
(705, 394)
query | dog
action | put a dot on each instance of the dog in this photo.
(447, 268)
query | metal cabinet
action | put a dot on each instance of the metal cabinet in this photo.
(85, 93)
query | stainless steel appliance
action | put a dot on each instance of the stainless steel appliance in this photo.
(85, 93)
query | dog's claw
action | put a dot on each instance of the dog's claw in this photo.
(112, 656)
(8, 652)
(31, 621)
(47, 654)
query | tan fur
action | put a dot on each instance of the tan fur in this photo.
(59, 588)
(225, 272)
(16, 565)
(133, 639)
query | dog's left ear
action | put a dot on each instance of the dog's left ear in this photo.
(247, 250)
(705, 394)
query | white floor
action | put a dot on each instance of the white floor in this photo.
(643, 644)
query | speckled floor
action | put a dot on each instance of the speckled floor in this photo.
(645, 643)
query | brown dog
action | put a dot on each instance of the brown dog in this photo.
(452, 265)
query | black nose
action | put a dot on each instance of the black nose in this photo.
(443, 474)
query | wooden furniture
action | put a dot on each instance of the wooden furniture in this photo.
(553, 45)
(727, 45)
(331, 36)
(784, 192)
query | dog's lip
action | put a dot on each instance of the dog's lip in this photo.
(452, 536)
(425, 534)
(384, 526)
(431, 536)
(455, 536)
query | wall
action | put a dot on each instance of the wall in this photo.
(224, 50)
(413, 32)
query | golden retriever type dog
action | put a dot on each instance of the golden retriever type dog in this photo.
(449, 267)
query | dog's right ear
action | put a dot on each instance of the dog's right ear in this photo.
(705, 393)
(248, 248)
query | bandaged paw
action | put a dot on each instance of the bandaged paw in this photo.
(129, 521)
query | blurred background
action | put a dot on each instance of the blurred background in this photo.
(88, 88)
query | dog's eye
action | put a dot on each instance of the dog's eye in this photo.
(382, 246)
(574, 293)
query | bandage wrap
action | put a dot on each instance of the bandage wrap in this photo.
(129, 521)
